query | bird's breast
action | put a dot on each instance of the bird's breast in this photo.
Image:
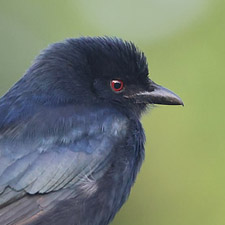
(105, 196)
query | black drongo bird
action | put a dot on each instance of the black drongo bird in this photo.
(71, 141)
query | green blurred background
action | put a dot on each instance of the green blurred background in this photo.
(182, 179)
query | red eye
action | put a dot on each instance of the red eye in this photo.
(117, 85)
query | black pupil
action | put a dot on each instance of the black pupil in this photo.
(117, 85)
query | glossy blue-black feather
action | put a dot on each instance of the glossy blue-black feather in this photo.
(54, 147)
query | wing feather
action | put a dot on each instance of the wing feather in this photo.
(58, 150)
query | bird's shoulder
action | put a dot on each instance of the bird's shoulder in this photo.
(45, 122)
(56, 147)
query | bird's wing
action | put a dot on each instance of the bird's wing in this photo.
(56, 149)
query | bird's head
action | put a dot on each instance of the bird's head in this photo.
(96, 70)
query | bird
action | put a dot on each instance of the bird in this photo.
(71, 140)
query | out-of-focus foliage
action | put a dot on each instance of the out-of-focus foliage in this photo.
(182, 181)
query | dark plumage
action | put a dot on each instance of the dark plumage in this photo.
(71, 142)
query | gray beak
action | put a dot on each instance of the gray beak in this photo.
(158, 95)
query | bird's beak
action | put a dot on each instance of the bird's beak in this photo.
(158, 95)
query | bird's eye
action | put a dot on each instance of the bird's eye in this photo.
(117, 85)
